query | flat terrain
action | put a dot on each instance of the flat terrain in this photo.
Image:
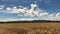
(30, 28)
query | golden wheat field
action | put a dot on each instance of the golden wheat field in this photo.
(30, 28)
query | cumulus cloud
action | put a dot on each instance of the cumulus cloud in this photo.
(8, 8)
(58, 14)
(34, 11)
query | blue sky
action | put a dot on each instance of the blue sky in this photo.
(51, 7)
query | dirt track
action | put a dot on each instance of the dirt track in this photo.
(30, 28)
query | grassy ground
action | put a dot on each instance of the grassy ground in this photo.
(30, 28)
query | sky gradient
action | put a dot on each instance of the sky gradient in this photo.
(9, 10)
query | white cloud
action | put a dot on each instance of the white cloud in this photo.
(58, 14)
(18, 19)
(34, 11)
(8, 8)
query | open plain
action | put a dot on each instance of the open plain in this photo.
(30, 28)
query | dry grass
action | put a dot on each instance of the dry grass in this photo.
(30, 28)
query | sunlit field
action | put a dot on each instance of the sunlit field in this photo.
(30, 28)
